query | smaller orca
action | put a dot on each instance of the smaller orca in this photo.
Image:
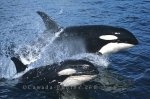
(67, 73)
(96, 38)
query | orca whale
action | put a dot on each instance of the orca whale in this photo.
(96, 38)
(67, 73)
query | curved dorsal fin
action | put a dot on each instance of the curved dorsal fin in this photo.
(49, 23)
(19, 65)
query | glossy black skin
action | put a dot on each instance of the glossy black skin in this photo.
(46, 74)
(90, 35)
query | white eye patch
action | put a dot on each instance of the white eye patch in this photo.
(117, 33)
(68, 71)
(108, 37)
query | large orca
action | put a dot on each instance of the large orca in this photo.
(96, 38)
(67, 73)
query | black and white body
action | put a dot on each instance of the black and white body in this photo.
(95, 38)
(67, 73)
(75, 40)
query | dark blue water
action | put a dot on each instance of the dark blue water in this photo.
(20, 25)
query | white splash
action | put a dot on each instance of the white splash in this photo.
(30, 53)
(99, 60)
(61, 11)
(7, 68)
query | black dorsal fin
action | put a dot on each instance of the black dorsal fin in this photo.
(19, 65)
(49, 23)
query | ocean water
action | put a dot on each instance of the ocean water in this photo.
(21, 27)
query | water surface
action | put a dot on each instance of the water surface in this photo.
(20, 26)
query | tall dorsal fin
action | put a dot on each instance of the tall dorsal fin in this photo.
(49, 23)
(19, 65)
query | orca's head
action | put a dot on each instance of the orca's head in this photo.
(76, 72)
(116, 40)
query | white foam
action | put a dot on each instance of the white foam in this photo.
(99, 60)
(30, 53)
(61, 11)
(7, 68)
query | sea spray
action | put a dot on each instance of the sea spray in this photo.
(7, 68)
(30, 53)
(99, 60)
